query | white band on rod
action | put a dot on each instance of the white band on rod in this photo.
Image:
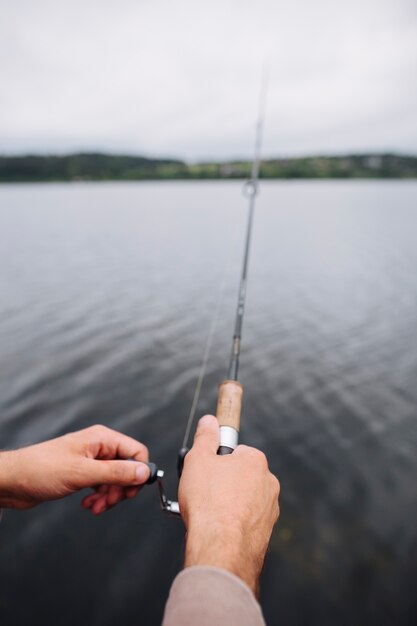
(228, 437)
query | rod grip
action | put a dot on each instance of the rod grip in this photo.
(229, 404)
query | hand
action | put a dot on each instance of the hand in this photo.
(229, 505)
(59, 467)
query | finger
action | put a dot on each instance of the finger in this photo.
(116, 494)
(207, 434)
(131, 492)
(122, 473)
(99, 506)
(89, 500)
(99, 490)
(106, 443)
(111, 499)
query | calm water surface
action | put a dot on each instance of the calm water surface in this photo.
(107, 292)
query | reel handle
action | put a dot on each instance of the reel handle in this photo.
(229, 407)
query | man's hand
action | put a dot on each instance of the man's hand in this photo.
(229, 505)
(87, 458)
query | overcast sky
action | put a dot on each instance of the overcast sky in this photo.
(182, 77)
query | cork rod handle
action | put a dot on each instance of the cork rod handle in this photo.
(229, 405)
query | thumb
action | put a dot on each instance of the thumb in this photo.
(122, 473)
(207, 434)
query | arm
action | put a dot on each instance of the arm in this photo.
(229, 505)
(88, 458)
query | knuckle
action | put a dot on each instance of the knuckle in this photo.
(187, 460)
(99, 429)
(190, 457)
(276, 513)
(276, 484)
(253, 453)
(245, 451)
(143, 450)
(261, 458)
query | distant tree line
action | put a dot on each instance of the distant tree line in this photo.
(96, 166)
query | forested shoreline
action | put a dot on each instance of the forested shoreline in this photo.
(98, 166)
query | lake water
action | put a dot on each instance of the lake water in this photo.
(107, 294)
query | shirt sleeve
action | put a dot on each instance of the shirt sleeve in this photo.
(209, 596)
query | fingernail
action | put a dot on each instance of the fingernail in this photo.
(142, 473)
(206, 420)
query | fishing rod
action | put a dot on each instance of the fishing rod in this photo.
(229, 401)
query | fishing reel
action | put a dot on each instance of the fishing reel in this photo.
(157, 475)
(167, 506)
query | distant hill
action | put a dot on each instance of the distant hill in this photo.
(85, 166)
(96, 166)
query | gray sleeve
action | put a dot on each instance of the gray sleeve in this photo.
(209, 596)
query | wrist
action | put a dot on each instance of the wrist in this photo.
(15, 480)
(7, 474)
(222, 547)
